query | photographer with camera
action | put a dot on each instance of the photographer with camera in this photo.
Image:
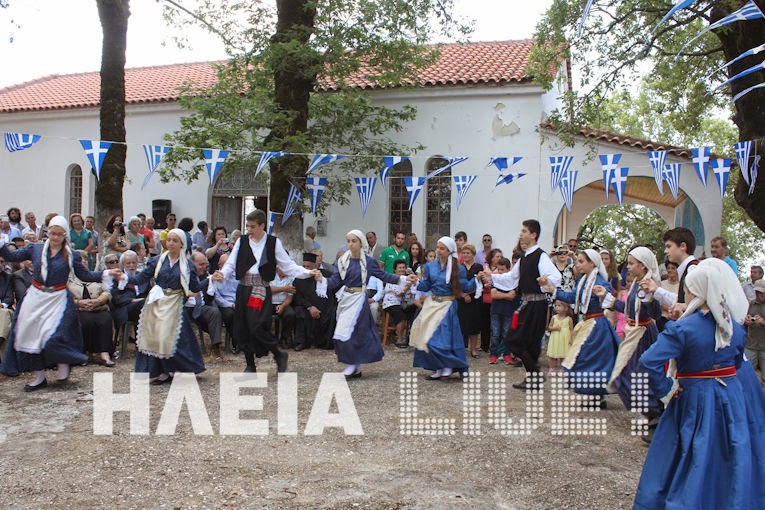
(116, 238)
(221, 244)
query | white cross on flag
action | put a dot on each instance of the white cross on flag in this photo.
(657, 159)
(293, 197)
(96, 151)
(743, 151)
(366, 188)
(700, 162)
(413, 188)
(154, 155)
(265, 157)
(671, 174)
(507, 179)
(214, 159)
(558, 166)
(452, 162)
(20, 141)
(316, 187)
(272, 221)
(567, 184)
(609, 163)
(504, 163)
(721, 168)
(619, 181)
(463, 183)
(322, 159)
(389, 162)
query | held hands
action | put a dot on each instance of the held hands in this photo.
(648, 285)
(544, 284)
(411, 279)
(316, 276)
(115, 273)
(599, 291)
(676, 310)
(217, 276)
(289, 289)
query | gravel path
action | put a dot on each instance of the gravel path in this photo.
(50, 455)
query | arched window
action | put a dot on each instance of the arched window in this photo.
(439, 201)
(400, 218)
(74, 188)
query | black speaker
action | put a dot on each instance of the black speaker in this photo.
(159, 210)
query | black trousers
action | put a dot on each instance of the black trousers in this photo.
(252, 328)
(526, 340)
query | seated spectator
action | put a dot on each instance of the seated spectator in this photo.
(7, 231)
(32, 226)
(202, 309)
(140, 251)
(126, 303)
(235, 235)
(282, 293)
(225, 297)
(6, 306)
(375, 293)
(22, 280)
(395, 303)
(92, 302)
(326, 268)
(314, 311)
(199, 241)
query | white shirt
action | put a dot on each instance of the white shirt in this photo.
(376, 284)
(285, 263)
(278, 281)
(666, 298)
(394, 294)
(509, 281)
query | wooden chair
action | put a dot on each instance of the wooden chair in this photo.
(390, 328)
(124, 332)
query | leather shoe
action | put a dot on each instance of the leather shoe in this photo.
(250, 369)
(299, 347)
(30, 387)
(159, 382)
(354, 375)
(281, 360)
(525, 385)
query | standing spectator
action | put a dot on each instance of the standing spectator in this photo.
(199, 241)
(170, 219)
(416, 256)
(609, 262)
(147, 231)
(220, 246)
(468, 306)
(186, 224)
(411, 238)
(755, 327)
(6, 306)
(152, 241)
(309, 243)
(375, 248)
(7, 230)
(235, 235)
(282, 292)
(501, 309)
(32, 225)
(115, 239)
(460, 238)
(393, 253)
(490, 266)
(133, 233)
(671, 285)
(482, 254)
(573, 245)
(755, 274)
(719, 250)
(82, 238)
(14, 218)
(90, 224)
(560, 258)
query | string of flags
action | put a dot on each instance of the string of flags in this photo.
(562, 178)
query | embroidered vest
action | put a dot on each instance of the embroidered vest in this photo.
(245, 259)
(529, 272)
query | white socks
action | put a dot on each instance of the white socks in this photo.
(63, 371)
(446, 372)
(350, 369)
(437, 373)
(39, 378)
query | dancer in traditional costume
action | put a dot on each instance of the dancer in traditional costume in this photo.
(436, 333)
(706, 452)
(641, 312)
(165, 341)
(594, 345)
(46, 329)
(356, 338)
(254, 260)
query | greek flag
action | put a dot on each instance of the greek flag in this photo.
(700, 162)
(463, 183)
(452, 162)
(315, 186)
(271, 221)
(657, 159)
(567, 184)
(559, 166)
(584, 17)
(322, 159)
(721, 168)
(389, 162)
(20, 141)
(214, 159)
(753, 172)
(507, 179)
(747, 53)
(619, 181)
(743, 151)
(679, 5)
(753, 69)
(413, 188)
(504, 163)
(154, 155)
(293, 197)
(746, 91)
(671, 174)
(265, 157)
(748, 12)
(96, 151)
(609, 163)
(366, 188)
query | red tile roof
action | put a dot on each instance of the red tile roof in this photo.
(459, 64)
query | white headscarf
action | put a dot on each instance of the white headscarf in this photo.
(648, 259)
(345, 259)
(713, 283)
(182, 260)
(452, 247)
(588, 282)
(57, 221)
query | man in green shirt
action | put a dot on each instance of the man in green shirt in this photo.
(394, 252)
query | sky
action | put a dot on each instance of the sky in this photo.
(64, 37)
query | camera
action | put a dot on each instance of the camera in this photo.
(118, 223)
(227, 240)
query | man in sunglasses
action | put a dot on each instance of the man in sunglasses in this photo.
(483, 252)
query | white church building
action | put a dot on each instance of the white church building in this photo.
(477, 101)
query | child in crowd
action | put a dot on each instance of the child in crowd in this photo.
(502, 310)
(394, 299)
(560, 328)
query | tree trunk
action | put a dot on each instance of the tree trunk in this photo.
(114, 23)
(293, 84)
(749, 113)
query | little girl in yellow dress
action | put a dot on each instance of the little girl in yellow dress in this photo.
(560, 328)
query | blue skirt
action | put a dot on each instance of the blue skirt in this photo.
(701, 453)
(364, 346)
(596, 356)
(754, 396)
(623, 382)
(187, 357)
(446, 349)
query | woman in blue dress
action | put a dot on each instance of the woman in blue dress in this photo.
(642, 312)
(436, 333)
(165, 341)
(356, 338)
(706, 453)
(594, 342)
(46, 329)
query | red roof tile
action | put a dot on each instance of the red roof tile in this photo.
(459, 64)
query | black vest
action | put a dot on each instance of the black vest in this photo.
(245, 259)
(529, 272)
(681, 287)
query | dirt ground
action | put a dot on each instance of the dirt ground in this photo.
(50, 456)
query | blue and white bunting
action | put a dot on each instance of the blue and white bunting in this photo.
(746, 91)
(619, 182)
(747, 53)
(413, 188)
(96, 151)
(507, 179)
(463, 183)
(366, 188)
(20, 141)
(504, 163)
(558, 166)
(389, 162)
(315, 187)
(293, 197)
(214, 159)
(452, 163)
(679, 5)
(743, 152)
(323, 159)
(609, 163)
(671, 174)
(747, 72)
(721, 169)
(584, 17)
(567, 184)
(154, 155)
(750, 11)
(700, 161)
(657, 159)
(753, 172)
(265, 157)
